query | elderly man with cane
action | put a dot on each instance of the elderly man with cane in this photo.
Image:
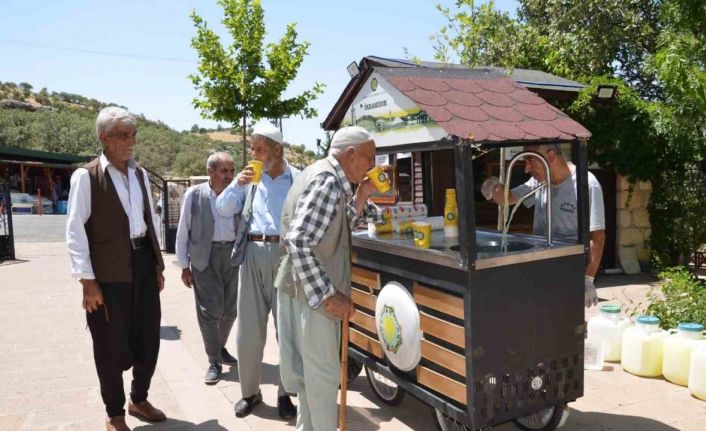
(314, 279)
(204, 244)
(115, 255)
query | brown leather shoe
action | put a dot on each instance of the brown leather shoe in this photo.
(116, 423)
(146, 412)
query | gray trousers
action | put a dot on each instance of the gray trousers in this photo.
(216, 292)
(309, 362)
(257, 296)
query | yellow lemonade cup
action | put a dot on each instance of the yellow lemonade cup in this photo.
(379, 179)
(256, 167)
(422, 234)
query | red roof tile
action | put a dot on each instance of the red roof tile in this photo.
(430, 84)
(462, 98)
(503, 114)
(439, 113)
(402, 83)
(498, 86)
(426, 97)
(496, 99)
(464, 85)
(466, 112)
(491, 110)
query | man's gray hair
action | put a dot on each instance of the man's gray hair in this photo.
(110, 116)
(554, 147)
(215, 158)
(352, 136)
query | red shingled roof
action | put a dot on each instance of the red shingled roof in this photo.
(490, 110)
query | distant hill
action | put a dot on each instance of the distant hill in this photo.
(65, 123)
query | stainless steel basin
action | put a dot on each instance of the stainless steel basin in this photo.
(494, 246)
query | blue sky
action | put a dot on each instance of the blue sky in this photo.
(137, 53)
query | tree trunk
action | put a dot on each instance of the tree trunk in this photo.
(245, 141)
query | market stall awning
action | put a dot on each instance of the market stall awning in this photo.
(405, 103)
(484, 109)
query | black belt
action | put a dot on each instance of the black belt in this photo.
(223, 242)
(140, 242)
(263, 238)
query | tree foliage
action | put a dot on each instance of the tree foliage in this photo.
(246, 79)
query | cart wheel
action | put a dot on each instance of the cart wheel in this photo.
(447, 423)
(547, 419)
(354, 368)
(385, 389)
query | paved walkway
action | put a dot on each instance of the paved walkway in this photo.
(49, 381)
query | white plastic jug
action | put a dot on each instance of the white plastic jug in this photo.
(608, 328)
(697, 371)
(643, 343)
(677, 352)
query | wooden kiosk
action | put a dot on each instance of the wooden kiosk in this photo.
(500, 333)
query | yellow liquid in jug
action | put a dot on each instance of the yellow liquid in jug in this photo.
(642, 353)
(697, 373)
(675, 362)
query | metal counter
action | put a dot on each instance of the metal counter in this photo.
(444, 251)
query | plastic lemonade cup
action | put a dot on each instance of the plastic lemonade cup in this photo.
(415, 230)
(422, 234)
(379, 179)
(256, 166)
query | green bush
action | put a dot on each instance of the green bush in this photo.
(682, 298)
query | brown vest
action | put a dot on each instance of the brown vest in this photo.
(108, 228)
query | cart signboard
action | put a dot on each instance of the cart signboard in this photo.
(390, 116)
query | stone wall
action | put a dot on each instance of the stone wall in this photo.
(634, 227)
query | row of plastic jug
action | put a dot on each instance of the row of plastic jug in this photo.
(644, 349)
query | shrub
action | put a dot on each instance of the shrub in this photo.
(682, 298)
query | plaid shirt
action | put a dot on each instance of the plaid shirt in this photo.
(315, 210)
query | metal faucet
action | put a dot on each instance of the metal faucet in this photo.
(546, 184)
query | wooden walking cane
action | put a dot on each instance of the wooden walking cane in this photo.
(344, 376)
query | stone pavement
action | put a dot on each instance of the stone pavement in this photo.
(48, 380)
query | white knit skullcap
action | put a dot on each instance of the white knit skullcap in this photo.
(266, 129)
(352, 135)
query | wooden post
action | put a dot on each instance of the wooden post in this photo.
(22, 178)
(40, 209)
(344, 376)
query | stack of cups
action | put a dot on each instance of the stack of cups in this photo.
(450, 214)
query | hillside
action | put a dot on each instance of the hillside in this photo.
(65, 123)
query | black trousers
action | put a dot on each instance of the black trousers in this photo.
(125, 333)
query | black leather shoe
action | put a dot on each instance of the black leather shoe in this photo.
(245, 406)
(213, 375)
(227, 358)
(286, 409)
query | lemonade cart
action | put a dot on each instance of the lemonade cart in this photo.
(482, 335)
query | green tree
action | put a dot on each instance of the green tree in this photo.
(26, 89)
(234, 83)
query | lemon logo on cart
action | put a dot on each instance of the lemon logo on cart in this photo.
(374, 84)
(390, 329)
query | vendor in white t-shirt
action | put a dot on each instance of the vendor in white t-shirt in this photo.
(564, 206)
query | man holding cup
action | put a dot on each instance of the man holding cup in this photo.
(257, 195)
(314, 279)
